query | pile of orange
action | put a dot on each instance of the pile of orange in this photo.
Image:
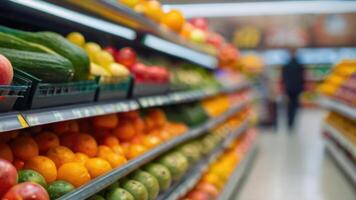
(80, 150)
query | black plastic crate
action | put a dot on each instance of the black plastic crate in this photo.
(10, 94)
(43, 95)
(118, 90)
(149, 89)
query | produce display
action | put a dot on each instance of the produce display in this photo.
(58, 135)
(340, 84)
(147, 182)
(219, 172)
(347, 127)
(48, 50)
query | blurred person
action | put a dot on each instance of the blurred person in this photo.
(293, 82)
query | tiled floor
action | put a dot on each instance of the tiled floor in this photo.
(296, 167)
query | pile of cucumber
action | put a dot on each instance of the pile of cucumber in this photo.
(45, 55)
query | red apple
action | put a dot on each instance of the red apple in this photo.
(126, 56)
(26, 191)
(200, 23)
(6, 71)
(111, 50)
(8, 176)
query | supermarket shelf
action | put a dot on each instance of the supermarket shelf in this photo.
(187, 96)
(176, 97)
(57, 114)
(102, 182)
(339, 107)
(342, 140)
(55, 12)
(23, 119)
(179, 189)
(238, 174)
(156, 29)
(345, 163)
(12, 121)
(144, 32)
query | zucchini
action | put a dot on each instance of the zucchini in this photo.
(58, 44)
(13, 42)
(49, 68)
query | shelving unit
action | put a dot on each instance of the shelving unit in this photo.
(345, 163)
(145, 37)
(340, 138)
(146, 32)
(339, 107)
(23, 119)
(239, 173)
(179, 189)
(104, 181)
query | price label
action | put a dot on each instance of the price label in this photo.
(32, 120)
(76, 113)
(58, 116)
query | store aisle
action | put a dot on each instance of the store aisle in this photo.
(296, 167)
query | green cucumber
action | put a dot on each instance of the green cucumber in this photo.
(58, 44)
(49, 68)
(13, 42)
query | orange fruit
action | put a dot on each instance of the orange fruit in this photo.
(129, 3)
(114, 159)
(44, 166)
(124, 131)
(97, 167)
(152, 9)
(186, 30)
(7, 136)
(60, 127)
(117, 149)
(103, 149)
(174, 20)
(150, 124)
(68, 139)
(106, 121)
(81, 157)
(158, 116)
(109, 141)
(125, 147)
(73, 126)
(86, 144)
(151, 141)
(129, 115)
(60, 155)
(46, 141)
(139, 125)
(135, 150)
(5, 152)
(74, 173)
(24, 147)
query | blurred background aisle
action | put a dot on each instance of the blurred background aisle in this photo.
(295, 166)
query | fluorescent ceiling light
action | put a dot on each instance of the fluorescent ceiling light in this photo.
(263, 8)
(79, 18)
(180, 51)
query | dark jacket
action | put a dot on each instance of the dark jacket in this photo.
(293, 77)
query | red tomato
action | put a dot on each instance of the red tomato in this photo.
(8, 176)
(126, 56)
(18, 164)
(140, 71)
(26, 191)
